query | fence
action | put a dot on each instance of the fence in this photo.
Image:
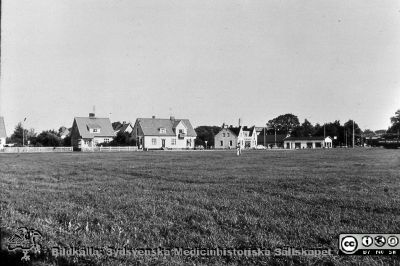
(111, 149)
(35, 149)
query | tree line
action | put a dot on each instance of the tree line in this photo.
(287, 124)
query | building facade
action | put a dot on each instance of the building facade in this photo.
(159, 133)
(307, 142)
(89, 132)
(231, 137)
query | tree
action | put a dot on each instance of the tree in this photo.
(48, 138)
(116, 125)
(395, 119)
(19, 134)
(206, 133)
(121, 139)
(66, 141)
(304, 130)
(348, 127)
(394, 129)
(284, 124)
(368, 133)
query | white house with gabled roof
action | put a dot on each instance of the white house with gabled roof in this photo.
(88, 132)
(159, 133)
(230, 137)
(3, 135)
(307, 142)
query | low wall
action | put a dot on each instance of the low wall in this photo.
(111, 149)
(35, 149)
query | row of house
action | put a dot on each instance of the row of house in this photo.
(249, 138)
(172, 133)
(149, 133)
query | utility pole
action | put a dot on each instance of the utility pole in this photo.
(265, 129)
(353, 134)
(23, 133)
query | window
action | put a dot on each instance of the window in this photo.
(173, 141)
(227, 134)
(230, 143)
(222, 143)
(94, 130)
(154, 141)
(163, 130)
(106, 140)
(181, 131)
(223, 134)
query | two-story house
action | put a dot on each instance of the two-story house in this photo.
(159, 133)
(88, 132)
(230, 137)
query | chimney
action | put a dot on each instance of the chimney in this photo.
(153, 116)
(92, 115)
(172, 118)
(240, 122)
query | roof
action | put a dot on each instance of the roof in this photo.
(124, 127)
(151, 126)
(2, 128)
(234, 130)
(65, 131)
(104, 124)
(306, 138)
(250, 129)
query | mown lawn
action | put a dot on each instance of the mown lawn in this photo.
(207, 199)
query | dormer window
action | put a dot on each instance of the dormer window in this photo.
(93, 128)
(162, 130)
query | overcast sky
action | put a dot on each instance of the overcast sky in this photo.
(209, 61)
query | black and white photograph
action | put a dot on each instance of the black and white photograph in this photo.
(199, 132)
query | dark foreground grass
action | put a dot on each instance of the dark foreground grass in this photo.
(206, 199)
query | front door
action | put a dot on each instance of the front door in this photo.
(163, 143)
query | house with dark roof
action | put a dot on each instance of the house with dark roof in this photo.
(89, 132)
(3, 135)
(124, 128)
(307, 142)
(161, 133)
(230, 137)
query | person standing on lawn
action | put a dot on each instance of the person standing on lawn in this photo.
(238, 149)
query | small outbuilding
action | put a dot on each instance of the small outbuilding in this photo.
(307, 142)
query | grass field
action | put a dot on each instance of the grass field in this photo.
(206, 199)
